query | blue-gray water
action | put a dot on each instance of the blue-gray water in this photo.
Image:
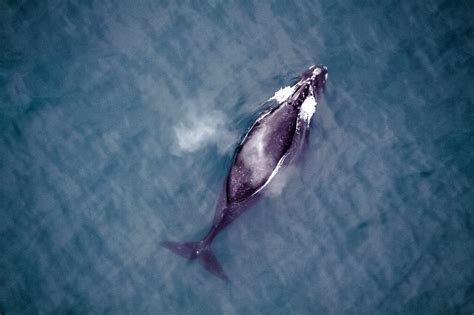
(118, 121)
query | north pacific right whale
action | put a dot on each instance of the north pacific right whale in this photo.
(272, 142)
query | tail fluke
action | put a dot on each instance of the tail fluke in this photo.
(186, 250)
(209, 261)
(200, 251)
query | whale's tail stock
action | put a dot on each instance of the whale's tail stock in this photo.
(200, 251)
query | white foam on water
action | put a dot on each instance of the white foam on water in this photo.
(282, 94)
(201, 130)
(275, 171)
(308, 108)
(279, 182)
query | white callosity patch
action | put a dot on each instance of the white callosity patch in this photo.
(282, 94)
(308, 108)
(201, 130)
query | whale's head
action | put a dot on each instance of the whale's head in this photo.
(315, 78)
(306, 93)
(310, 83)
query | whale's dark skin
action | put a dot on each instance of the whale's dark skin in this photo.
(273, 140)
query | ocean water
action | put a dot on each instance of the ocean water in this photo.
(118, 123)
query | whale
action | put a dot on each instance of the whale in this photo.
(271, 142)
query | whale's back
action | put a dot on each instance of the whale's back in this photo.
(266, 143)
